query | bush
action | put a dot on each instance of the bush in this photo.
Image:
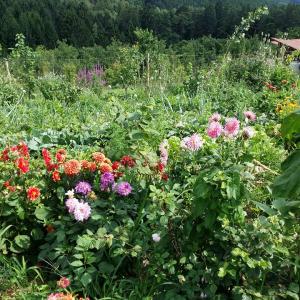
(54, 87)
(10, 92)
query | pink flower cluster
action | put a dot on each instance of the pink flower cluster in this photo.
(192, 143)
(231, 127)
(79, 209)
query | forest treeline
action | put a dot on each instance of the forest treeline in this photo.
(99, 22)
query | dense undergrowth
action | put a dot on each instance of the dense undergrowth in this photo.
(170, 200)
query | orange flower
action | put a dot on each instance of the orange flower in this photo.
(55, 176)
(33, 193)
(68, 297)
(98, 157)
(92, 166)
(84, 164)
(23, 165)
(72, 167)
(104, 167)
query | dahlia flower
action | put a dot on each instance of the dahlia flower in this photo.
(82, 211)
(192, 143)
(60, 296)
(63, 282)
(248, 132)
(70, 194)
(123, 188)
(72, 167)
(214, 130)
(55, 176)
(107, 179)
(33, 193)
(84, 164)
(92, 166)
(104, 168)
(249, 115)
(115, 165)
(232, 127)
(98, 157)
(23, 164)
(216, 117)
(127, 161)
(83, 187)
(71, 204)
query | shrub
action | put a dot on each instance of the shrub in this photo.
(54, 87)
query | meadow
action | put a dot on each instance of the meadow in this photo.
(153, 176)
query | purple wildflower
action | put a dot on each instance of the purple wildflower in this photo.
(107, 179)
(83, 187)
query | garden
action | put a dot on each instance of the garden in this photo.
(149, 176)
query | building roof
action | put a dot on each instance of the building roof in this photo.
(294, 43)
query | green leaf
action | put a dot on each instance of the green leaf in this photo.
(106, 268)
(86, 279)
(42, 213)
(23, 241)
(265, 208)
(294, 287)
(233, 188)
(287, 185)
(291, 124)
(202, 192)
(77, 263)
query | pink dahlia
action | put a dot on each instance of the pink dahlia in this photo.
(82, 211)
(250, 115)
(248, 132)
(192, 143)
(232, 127)
(216, 117)
(214, 130)
(71, 204)
(63, 282)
